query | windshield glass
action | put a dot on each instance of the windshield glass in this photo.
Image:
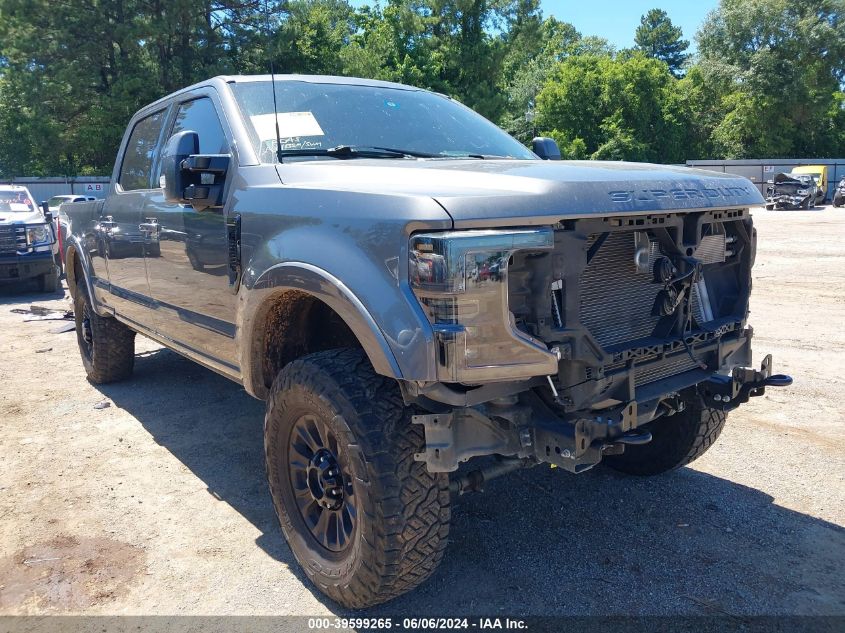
(15, 200)
(804, 178)
(57, 200)
(319, 116)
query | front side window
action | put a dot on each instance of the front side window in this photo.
(138, 159)
(200, 116)
(320, 116)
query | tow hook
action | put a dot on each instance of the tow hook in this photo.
(728, 392)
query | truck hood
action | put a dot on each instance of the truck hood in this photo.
(512, 192)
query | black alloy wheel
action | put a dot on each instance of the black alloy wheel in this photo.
(321, 484)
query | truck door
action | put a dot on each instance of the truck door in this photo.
(120, 233)
(188, 272)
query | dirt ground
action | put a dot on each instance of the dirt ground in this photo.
(158, 504)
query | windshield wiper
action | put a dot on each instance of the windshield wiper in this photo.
(358, 151)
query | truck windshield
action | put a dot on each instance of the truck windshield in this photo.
(15, 201)
(320, 116)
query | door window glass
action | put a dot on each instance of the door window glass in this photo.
(138, 158)
(200, 116)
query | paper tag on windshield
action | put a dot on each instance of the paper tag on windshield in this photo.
(290, 124)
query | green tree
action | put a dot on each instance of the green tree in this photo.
(313, 36)
(657, 37)
(615, 108)
(778, 67)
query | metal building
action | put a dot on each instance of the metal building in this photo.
(45, 188)
(759, 171)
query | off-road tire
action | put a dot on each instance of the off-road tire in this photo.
(676, 441)
(109, 355)
(49, 282)
(403, 510)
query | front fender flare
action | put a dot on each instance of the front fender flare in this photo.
(327, 288)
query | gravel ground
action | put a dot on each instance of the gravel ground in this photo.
(158, 504)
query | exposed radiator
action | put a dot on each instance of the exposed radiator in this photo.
(616, 299)
(646, 371)
(677, 365)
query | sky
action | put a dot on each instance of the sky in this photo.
(616, 20)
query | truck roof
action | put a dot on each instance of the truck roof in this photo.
(316, 79)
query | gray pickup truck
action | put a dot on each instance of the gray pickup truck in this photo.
(408, 288)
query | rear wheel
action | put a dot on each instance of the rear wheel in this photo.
(364, 520)
(676, 441)
(106, 345)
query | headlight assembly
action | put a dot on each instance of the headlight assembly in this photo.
(461, 281)
(38, 235)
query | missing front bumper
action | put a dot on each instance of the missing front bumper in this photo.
(526, 428)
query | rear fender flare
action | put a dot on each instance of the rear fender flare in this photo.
(74, 252)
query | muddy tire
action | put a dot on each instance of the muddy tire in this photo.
(676, 441)
(364, 520)
(106, 345)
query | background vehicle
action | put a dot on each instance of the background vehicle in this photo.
(819, 175)
(791, 191)
(408, 287)
(28, 246)
(60, 218)
(839, 194)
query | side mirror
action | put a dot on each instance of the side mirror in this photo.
(178, 148)
(190, 177)
(545, 148)
(45, 208)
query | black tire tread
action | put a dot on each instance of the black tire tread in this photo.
(676, 441)
(113, 356)
(412, 511)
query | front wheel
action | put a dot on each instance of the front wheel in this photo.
(676, 441)
(364, 520)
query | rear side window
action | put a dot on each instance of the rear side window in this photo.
(200, 116)
(138, 160)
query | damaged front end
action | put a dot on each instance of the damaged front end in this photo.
(790, 191)
(558, 344)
